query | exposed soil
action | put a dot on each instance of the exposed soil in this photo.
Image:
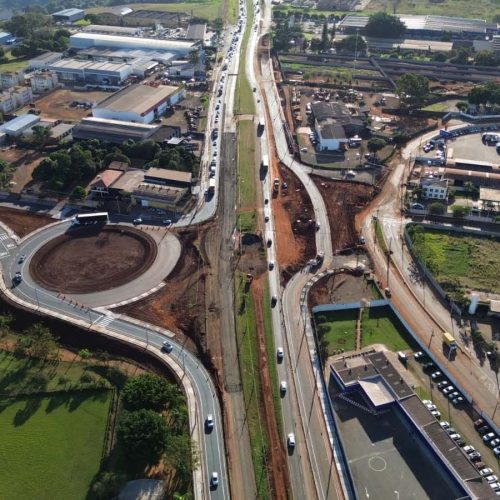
(277, 455)
(252, 256)
(180, 305)
(56, 104)
(24, 161)
(294, 225)
(23, 223)
(343, 201)
(342, 287)
(90, 259)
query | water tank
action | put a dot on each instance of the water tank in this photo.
(474, 300)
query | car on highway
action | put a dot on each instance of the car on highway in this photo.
(209, 422)
(167, 346)
(489, 436)
(137, 221)
(274, 300)
(214, 479)
(271, 265)
(283, 388)
(290, 441)
(387, 292)
(17, 277)
(486, 472)
(266, 218)
(280, 354)
(22, 258)
(167, 222)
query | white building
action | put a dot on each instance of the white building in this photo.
(435, 189)
(79, 72)
(18, 125)
(15, 98)
(330, 137)
(10, 79)
(87, 40)
(138, 103)
(43, 82)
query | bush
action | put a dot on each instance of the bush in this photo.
(147, 391)
(460, 212)
(437, 208)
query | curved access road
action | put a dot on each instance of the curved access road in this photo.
(211, 445)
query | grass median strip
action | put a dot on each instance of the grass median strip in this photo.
(247, 189)
(249, 367)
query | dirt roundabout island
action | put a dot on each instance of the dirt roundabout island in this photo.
(91, 259)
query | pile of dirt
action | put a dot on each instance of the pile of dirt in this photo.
(294, 224)
(22, 222)
(91, 259)
(343, 201)
(251, 255)
(179, 306)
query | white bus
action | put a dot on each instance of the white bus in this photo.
(95, 218)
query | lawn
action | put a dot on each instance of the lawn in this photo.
(249, 368)
(341, 332)
(381, 326)
(470, 261)
(247, 221)
(246, 164)
(52, 446)
(14, 64)
(209, 9)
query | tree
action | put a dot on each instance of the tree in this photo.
(194, 57)
(412, 88)
(439, 56)
(487, 93)
(315, 45)
(79, 193)
(108, 485)
(146, 391)
(383, 25)
(376, 144)
(462, 106)
(437, 208)
(325, 42)
(38, 342)
(486, 58)
(352, 44)
(40, 136)
(143, 434)
(179, 455)
(460, 212)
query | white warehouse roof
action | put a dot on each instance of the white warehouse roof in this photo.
(68, 12)
(20, 123)
(86, 40)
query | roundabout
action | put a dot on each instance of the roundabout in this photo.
(89, 259)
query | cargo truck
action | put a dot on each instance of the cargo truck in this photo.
(276, 186)
(449, 340)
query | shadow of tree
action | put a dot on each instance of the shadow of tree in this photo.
(31, 407)
(112, 374)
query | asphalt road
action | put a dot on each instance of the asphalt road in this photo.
(213, 453)
(312, 464)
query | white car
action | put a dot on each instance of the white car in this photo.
(448, 390)
(492, 479)
(291, 440)
(469, 449)
(489, 436)
(280, 354)
(209, 422)
(283, 387)
(214, 479)
(444, 424)
(486, 472)
(436, 414)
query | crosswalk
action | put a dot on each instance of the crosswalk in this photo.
(4, 237)
(104, 320)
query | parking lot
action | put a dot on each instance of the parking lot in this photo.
(386, 460)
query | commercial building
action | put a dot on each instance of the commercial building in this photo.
(434, 189)
(43, 61)
(4, 37)
(421, 26)
(60, 131)
(88, 40)
(154, 17)
(102, 182)
(17, 126)
(43, 82)
(334, 125)
(126, 55)
(138, 103)
(164, 177)
(68, 15)
(78, 72)
(15, 98)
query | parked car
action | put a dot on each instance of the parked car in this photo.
(448, 390)
(483, 429)
(469, 449)
(436, 375)
(444, 424)
(137, 221)
(443, 384)
(419, 355)
(489, 436)
(458, 401)
(486, 472)
(494, 443)
(475, 456)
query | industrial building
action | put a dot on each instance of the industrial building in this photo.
(4, 37)
(43, 61)
(138, 103)
(196, 32)
(43, 82)
(334, 125)
(68, 15)
(418, 26)
(19, 125)
(117, 132)
(154, 17)
(89, 40)
(114, 14)
(78, 72)
(111, 30)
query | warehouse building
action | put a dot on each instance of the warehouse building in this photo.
(5, 37)
(43, 61)
(154, 17)
(19, 125)
(114, 14)
(196, 32)
(78, 72)
(428, 26)
(138, 103)
(68, 15)
(112, 30)
(89, 40)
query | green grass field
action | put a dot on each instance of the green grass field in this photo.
(249, 367)
(51, 446)
(471, 260)
(247, 221)
(380, 326)
(341, 332)
(14, 64)
(246, 164)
